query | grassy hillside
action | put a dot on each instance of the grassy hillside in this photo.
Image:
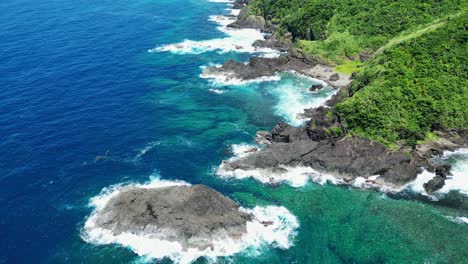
(417, 81)
(338, 30)
(413, 88)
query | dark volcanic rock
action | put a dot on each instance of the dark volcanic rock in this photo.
(282, 43)
(435, 184)
(191, 215)
(315, 87)
(255, 22)
(349, 156)
(283, 132)
(258, 67)
(443, 170)
(263, 137)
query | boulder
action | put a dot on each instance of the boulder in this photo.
(285, 133)
(434, 184)
(263, 137)
(255, 22)
(443, 170)
(315, 87)
(334, 77)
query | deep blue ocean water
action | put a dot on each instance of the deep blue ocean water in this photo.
(77, 82)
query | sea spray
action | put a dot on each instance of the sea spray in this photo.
(236, 40)
(457, 182)
(291, 90)
(271, 226)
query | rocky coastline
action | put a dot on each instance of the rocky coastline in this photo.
(323, 143)
(290, 59)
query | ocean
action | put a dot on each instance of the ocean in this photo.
(96, 94)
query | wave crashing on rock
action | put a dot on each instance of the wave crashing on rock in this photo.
(182, 222)
(236, 40)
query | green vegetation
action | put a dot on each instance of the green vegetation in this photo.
(416, 81)
(412, 88)
(338, 30)
(349, 67)
(333, 131)
(336, 49)
(430, 137)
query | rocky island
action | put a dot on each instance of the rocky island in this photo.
(193, 216)
(182, 222)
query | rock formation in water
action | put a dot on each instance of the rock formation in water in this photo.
(323, 145)
(191, 215)
(258, 67)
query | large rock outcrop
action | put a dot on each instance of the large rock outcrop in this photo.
(249, 21)
(321, 145)
(257, 67)
(190, 215)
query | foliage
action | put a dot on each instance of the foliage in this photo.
(412, 88)
(338, 48)
(349, 67)
(340, 29)
(333, 131)
(417, 81)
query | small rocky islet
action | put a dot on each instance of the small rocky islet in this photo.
(193, 216)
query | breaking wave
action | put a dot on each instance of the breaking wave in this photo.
(294, 97)
(272, 226)
(236, 40)
(300, 175)
(458, 181)
(225, 79)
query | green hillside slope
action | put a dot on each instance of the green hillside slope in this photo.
(417, 80)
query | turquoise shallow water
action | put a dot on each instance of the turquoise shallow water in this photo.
(78, 81)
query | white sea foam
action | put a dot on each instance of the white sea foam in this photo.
(458, 219)
(243, 150)
(226, 78)
(292, 102)
(294, 176)
(294, 96)
(234, 12)
(217, 91)
(271, 226)
(147, 148)
(290, 88)
(456, 182)
(236, 40)
(417, 185)
(459, 180)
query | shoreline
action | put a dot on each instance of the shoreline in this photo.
(289, 59)
(376, 171)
